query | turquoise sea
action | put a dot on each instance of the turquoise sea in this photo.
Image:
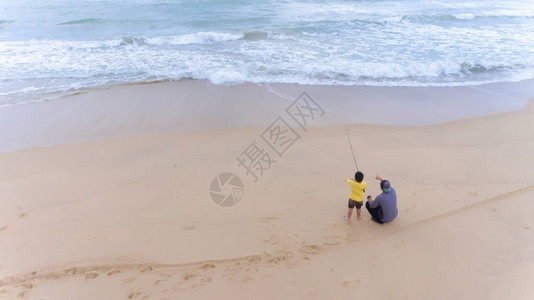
(52, 47)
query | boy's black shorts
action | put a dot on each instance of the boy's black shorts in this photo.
(353, 203)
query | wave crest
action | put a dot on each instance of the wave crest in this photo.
(195, 38)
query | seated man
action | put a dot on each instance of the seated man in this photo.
(384, 207)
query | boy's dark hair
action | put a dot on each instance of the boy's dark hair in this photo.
(358, 176)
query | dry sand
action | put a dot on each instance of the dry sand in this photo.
(131, 217)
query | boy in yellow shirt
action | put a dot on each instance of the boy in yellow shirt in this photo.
(357, 188)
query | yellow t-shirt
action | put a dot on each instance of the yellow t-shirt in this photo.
(356, 189)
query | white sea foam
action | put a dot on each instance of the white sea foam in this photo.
(225, 77)
(464, 16)
(196, 38)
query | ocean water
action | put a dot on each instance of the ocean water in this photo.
(50, 47)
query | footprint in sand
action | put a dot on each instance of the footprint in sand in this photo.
(206, 280)
(71, 271)
(160, 281)
(113, 272)
(331, 244)
(188, 276)
(134, 295)
(256, 258)
(29, 275)
(3, 228)
(22, 215)
(277, 257)
(207, 266)
(147, 269)
(26, 287)
(311, 249)
(91, 275)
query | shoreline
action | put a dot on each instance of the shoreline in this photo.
(57, 95)
(116, 216)
(198, 105)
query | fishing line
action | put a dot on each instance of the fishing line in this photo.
(350, 144)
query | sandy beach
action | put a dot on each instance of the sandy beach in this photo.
(106, 194)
